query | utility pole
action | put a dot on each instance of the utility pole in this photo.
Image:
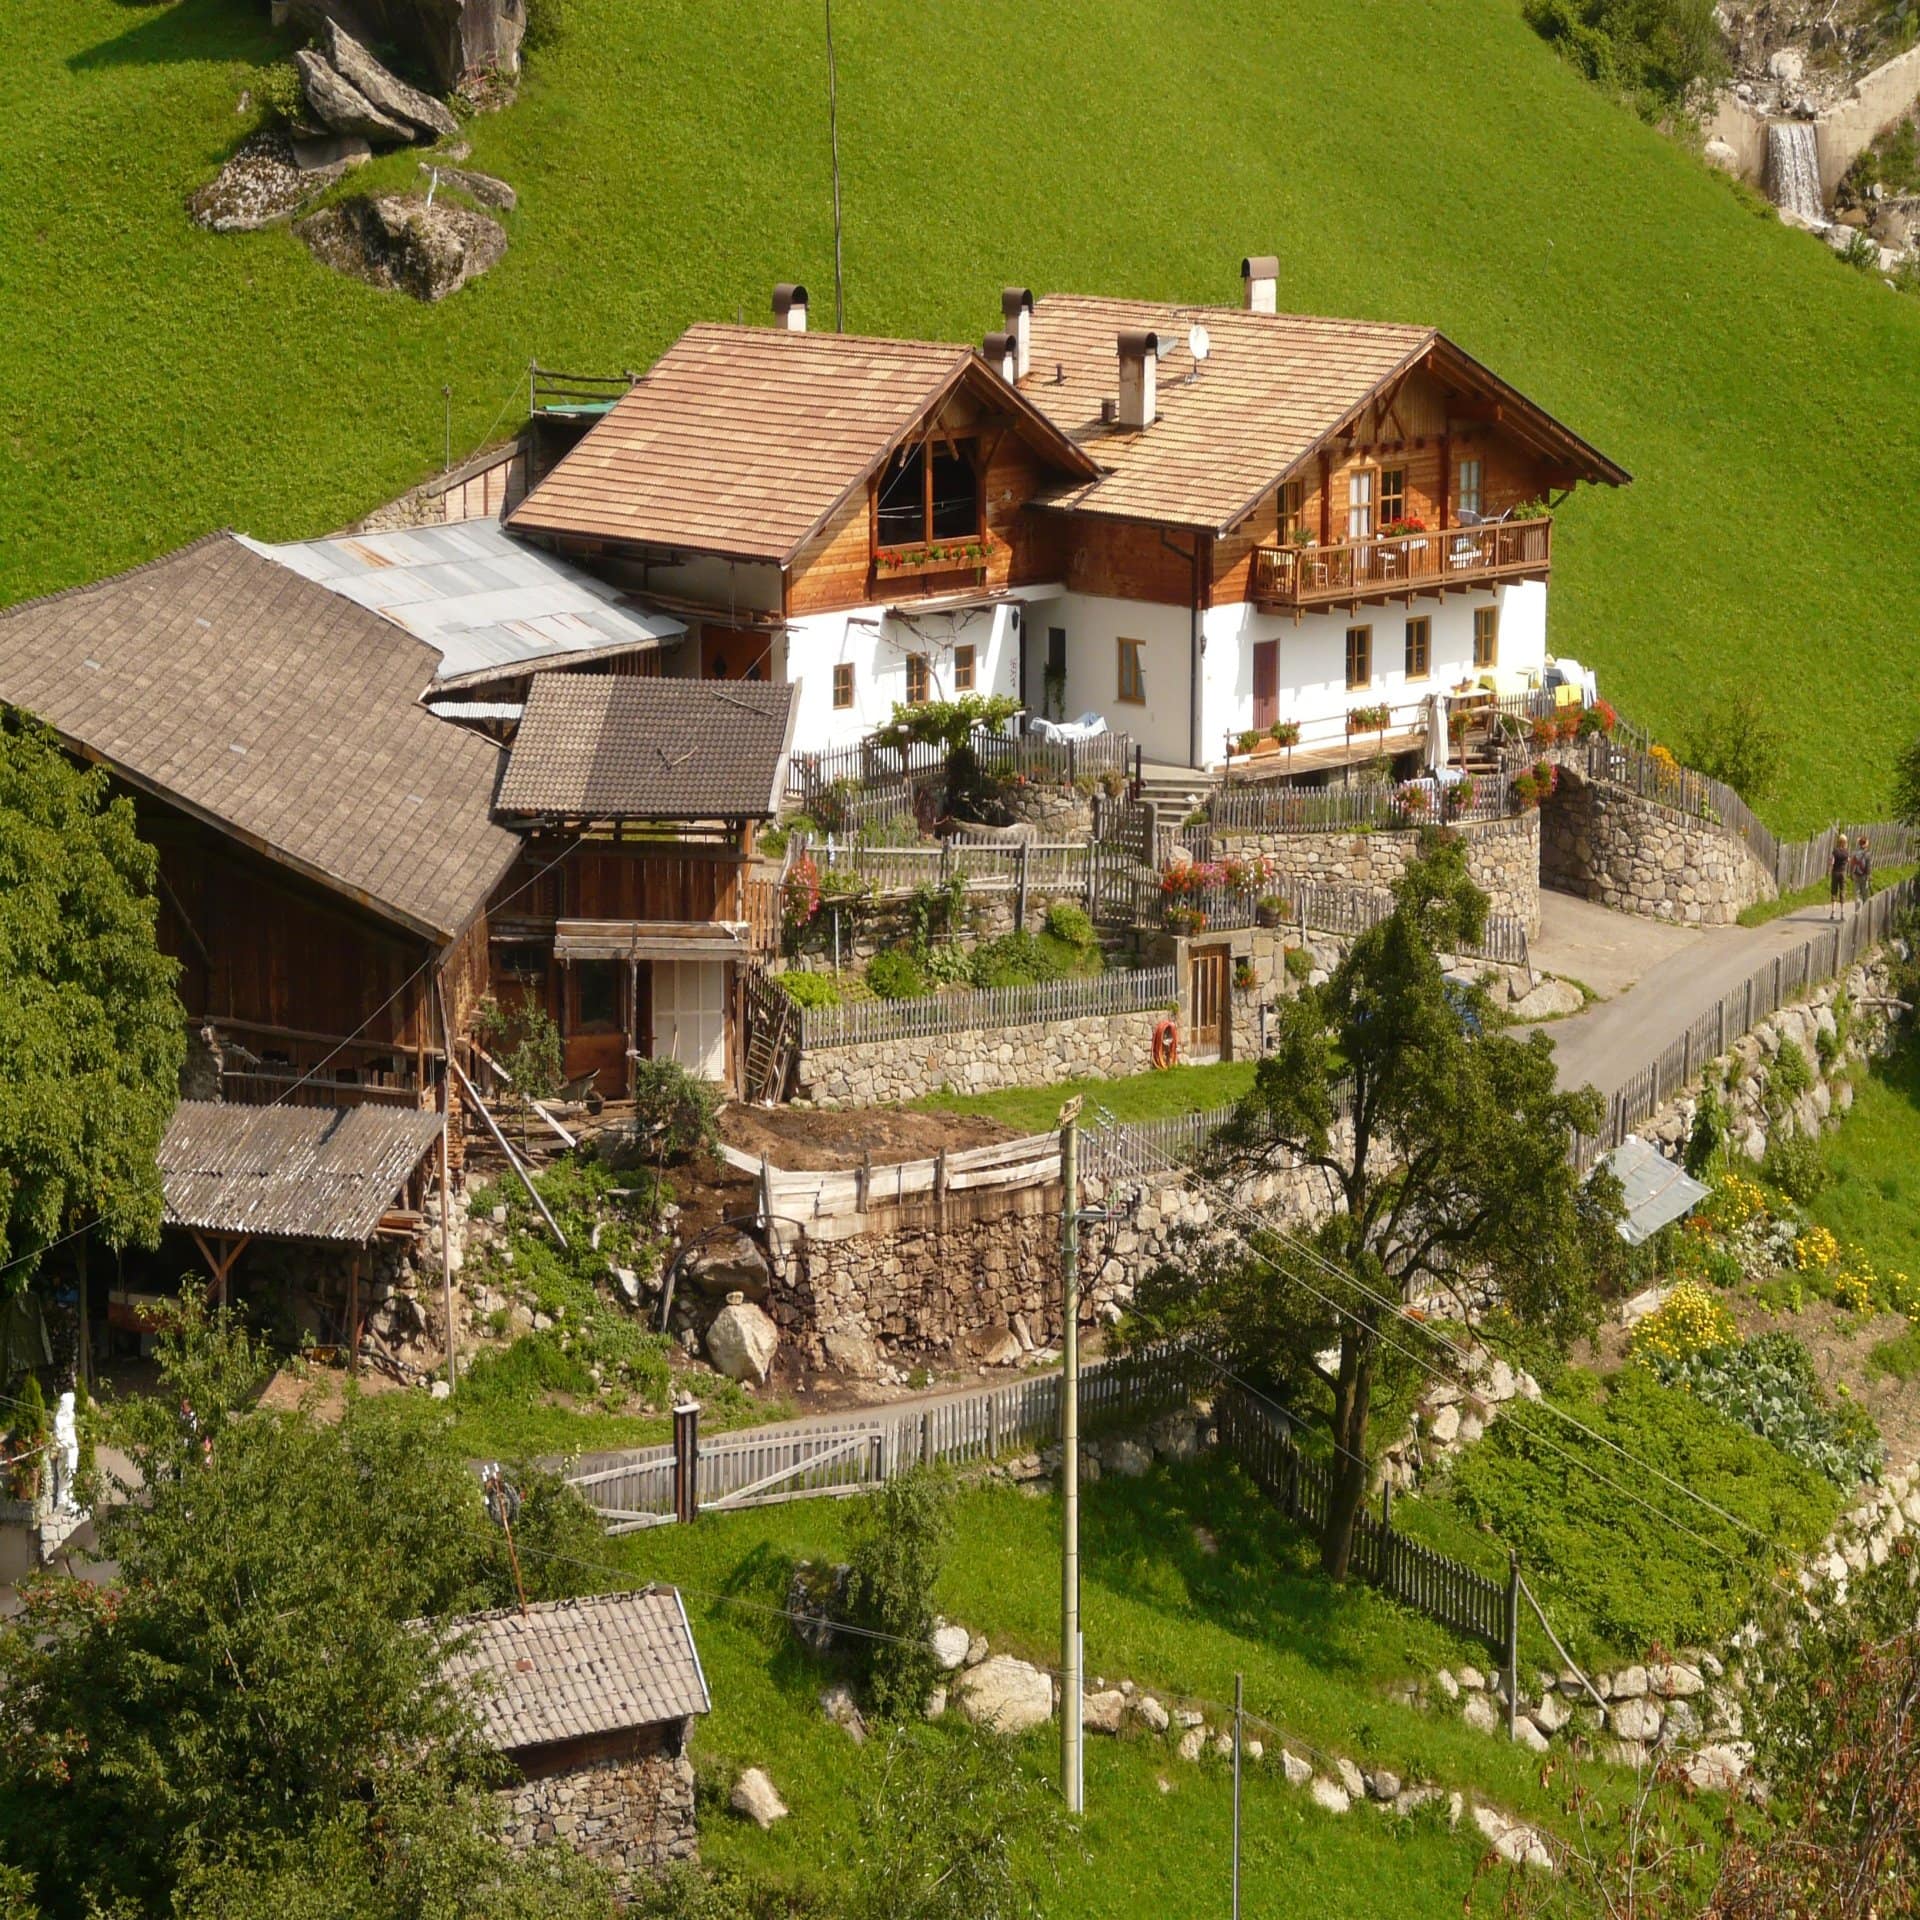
(833, 136)
(1071, 1731)
(1237, 1723)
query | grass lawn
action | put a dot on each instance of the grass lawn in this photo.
(672, 163)
(1157, 1608)
(1762, 911)
(1872, 1197)
(1138, 1096)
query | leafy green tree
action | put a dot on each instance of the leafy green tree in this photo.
(246, 1700)
(1452, 1171)
(1662, 55)
(1906, 784)
(900, 1533)
(91, 1034)
(1738, 742)
(675, 1112)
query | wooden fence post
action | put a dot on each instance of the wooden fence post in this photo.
(1020, 898)
(686, 1462)
(1513, 1642)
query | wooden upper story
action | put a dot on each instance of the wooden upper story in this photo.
(1190, 456)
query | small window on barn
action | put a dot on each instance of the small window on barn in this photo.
(1133, 673)
(1486, 636)
(1419, 648)
(597, 996)
(963, 669)
(928, 497)
(956, 498)
(1359, 657)
(1360, 504)
(919, 680)
(1393, 495)
(843, 685)
(1466, 492)
(903, 499)
(521, 960)
(1293, 511)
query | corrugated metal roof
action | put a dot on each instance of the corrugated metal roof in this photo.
(286, 715)
(1658, 1192)
(594, 746)
(569, 1668)
(488, 603)
(293, 1173)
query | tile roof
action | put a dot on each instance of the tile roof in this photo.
(284, 714)
(741, 441)
(300, 1173)
(1272, 388)
(488, 604)
(570, 1668)
(606, 747)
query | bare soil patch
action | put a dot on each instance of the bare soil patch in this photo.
(836, 1142)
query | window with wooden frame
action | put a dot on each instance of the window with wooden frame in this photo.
(919, 680)
(1466, 488)
(1293, 512)
(1419, 648)
(843, 685)
(1359, 657)
(1486, 636)
(1360, 503)
(1393, 495)
(1133, 673)
(928, 493)
(963, 658)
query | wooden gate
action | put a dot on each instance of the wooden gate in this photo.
(1211, 985)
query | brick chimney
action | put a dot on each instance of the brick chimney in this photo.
(1016, 306)
(1260, 283)
(790, 306)
(1139, 362)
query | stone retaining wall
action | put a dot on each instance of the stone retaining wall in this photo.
(1636, 856)
(626, 1802)
(979, 1059)
(1503, 857)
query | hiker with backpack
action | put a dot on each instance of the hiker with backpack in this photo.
(1837, 877)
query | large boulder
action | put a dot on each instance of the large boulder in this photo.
(848, 1350)
(755, 1799)
(339, 104)
(1103, 1712)
(450, 40)
(1005, 1695)
(817, 1602)
(742, 1341)
(400, 244)
(427, 116)
(263, 181)
(728, 1263)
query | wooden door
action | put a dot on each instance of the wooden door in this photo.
(1211, 984)
(1266, 683)
(596, 1024)
(735, 653)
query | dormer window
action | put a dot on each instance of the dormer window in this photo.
(928, 494)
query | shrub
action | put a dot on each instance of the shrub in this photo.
(1738, 743)
(896, 975)
(547, 23)
(30, 1430)
(1708, 1135)
(674, 1109)
(1793, 1164)
(525, 1043)
(806, 989)
(900, 1535)
(281, 95)
(1768, 1384)
(1299, 963)
(1659, 55)
(1789, 1076)
(1689, 1319)
(1067, 922)
(947, 965)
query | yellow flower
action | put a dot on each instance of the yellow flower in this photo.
(1816, 1250)
(1689, 1319)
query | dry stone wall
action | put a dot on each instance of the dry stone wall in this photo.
(1636, 856)
(630, 1810)
(1502, 855)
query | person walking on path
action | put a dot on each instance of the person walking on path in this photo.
(1837, 877)
(1861, 867)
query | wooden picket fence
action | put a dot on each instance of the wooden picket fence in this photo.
(824, 1459)
(1444, 1589)
(1136, 990)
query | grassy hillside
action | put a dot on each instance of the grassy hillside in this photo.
(1415, 159)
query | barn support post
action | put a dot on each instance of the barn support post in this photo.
(446, 1186)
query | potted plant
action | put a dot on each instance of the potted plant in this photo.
(1243, 979)
(1458, 721)
(1567, 723)
(1249, 741)
(1530, 510)
(1186, 919)
(1543, 731)
(1460, 796)
(1412, 802)
(1600, 719)
(1271, 910)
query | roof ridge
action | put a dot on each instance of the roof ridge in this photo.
(653, 1590)
(738, 327)
(80, 587)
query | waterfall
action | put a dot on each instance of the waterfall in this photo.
(1793, 169)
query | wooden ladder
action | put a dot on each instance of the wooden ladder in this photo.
(770, 1040)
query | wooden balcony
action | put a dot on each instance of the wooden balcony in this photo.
(1400, 566)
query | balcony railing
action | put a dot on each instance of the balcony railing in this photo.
(1393, 564)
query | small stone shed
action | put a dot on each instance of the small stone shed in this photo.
(592, 1701)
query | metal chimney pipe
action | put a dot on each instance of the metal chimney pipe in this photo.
(1260, 283)
(1016, 307)
(1139, 361)
(790, 306)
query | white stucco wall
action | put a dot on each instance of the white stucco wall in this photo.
(1095, 624)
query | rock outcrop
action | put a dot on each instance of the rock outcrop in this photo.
(399, 243)
(1005, 1695)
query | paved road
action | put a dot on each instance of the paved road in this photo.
(1616, 1037)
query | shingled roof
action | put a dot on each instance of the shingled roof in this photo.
(1274, 387)
(280, 713)
(567, 1669)
(292, 1173)
(605, 747)
(741, 441)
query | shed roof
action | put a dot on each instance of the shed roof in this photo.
(1272, 389)
(741, 441)
(281, 713)
(566, 1669)
(290, 1173)
(604, 747)
(489, 604)
(1658, 1192)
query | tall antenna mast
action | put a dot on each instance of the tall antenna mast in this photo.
(833, 136)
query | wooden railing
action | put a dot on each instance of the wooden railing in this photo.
(1396, 563)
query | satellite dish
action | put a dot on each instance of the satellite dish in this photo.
(1199, 342)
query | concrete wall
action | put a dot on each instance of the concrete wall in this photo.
(1841, 133)
(625, 1801)
(1637, 856)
